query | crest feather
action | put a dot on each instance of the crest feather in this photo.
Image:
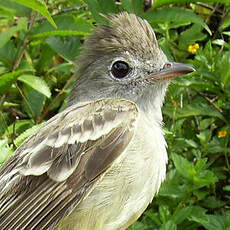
(125, 33)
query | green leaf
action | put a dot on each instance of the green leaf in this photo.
(204, 136)
(62, 68)
(133, 6)
(5, 151)
(221, 42)
(215, 147)
(67, 25)
(153, 216)
(213, 203)
(14, 8)
(18, 141)
(138, 226)
(182, 214)
(169, 225)
(223, 73)
(205, 123)
(208, 52)
(196, 109)
(198, 215)
(165, 46)
(158, 3)
(195, 175)
(6, 35)
(8, 54)
(98, 7)
(174, 14)
(45, 59)
(201, 164)
(107, 6)
(164, 213)
(7, 79)
(36, 83)
(68, 49)
(172, 191)
(95, 9)
(226, 188)
(183, 166)
(227, 33)
(203, 177)
(17, 127)
(200, 194)
(214, 222)
(197, 84)
(191, 143)
(191, 36)
(34, 103)
(38, 5)
(58, 33)
(226, 22)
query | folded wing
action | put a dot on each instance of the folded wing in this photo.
(56, 167)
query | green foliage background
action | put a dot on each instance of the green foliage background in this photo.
(37, 54)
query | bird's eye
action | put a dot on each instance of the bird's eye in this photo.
(120, 69)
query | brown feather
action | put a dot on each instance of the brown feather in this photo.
(68, 171)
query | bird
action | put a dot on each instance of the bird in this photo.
(97, 164)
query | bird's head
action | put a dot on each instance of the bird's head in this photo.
(123, 60)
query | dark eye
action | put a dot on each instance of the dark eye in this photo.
(120, 69)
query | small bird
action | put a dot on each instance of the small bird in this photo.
(97, 164)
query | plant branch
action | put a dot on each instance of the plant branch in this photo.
(195, 117)
(25, 43)
(211, 101)
(20, 56)
(55, 99)
(208, 7)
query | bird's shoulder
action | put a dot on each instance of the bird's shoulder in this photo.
(69, 152)
(63, 139)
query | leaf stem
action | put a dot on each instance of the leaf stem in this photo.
(25, 43)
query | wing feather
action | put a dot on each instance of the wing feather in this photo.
(55, 168)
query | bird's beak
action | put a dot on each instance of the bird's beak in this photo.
(170, 70)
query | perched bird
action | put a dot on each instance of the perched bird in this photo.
(97, 164)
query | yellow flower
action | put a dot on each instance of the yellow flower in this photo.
(193, 48)
(222, 133)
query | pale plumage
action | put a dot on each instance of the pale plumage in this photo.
(100, 135)
(97, 164)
